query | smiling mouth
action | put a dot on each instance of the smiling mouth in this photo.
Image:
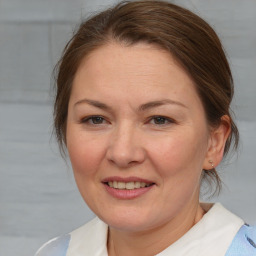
(128, 185)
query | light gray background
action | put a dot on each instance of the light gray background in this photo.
(38, 197)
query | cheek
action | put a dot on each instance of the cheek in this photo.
(85, 154)
(180, 155)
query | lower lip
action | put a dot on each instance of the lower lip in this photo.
(127, 193)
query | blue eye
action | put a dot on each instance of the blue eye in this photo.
(97, 120)
(94, 120)
(161, 120)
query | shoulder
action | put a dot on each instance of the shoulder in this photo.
(86, 240)
(55, 247)
(90, 239)
(244, 243)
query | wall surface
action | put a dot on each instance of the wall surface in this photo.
(38, 197)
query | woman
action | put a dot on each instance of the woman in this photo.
(143, 108)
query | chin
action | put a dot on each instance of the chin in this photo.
(128, 220)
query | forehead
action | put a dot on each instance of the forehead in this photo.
(137, 69)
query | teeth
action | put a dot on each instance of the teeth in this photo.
(110, 184)
(137, 184)
(127, 185)
(142, 184)
(120, 185)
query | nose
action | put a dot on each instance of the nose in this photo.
(125, 147)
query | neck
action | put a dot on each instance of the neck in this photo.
(153, 241)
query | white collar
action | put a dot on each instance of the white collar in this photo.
(90, 239)
(211, 236)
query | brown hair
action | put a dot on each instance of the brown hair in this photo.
(182, 33)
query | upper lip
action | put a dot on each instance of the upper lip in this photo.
(127, 179)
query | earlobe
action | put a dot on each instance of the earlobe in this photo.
(217, 142)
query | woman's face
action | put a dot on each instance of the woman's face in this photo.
(137, 136)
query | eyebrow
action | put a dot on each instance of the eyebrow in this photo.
(94, 103)
(158, 103)
(143, 107)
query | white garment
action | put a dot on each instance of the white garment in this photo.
(211, 236)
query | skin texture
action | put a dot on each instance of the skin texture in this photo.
(116, 83)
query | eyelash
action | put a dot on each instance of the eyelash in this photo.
(92, 120)
(162, 118)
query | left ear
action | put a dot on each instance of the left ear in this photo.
(216, 143)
